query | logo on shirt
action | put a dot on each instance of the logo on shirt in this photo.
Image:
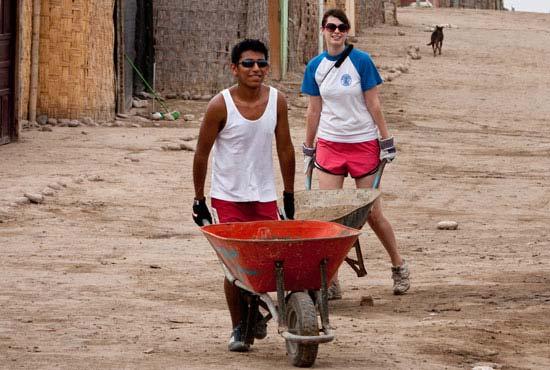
(345, 80)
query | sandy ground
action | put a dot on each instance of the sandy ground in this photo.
(110, 272)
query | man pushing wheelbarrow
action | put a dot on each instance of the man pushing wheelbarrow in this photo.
(259, 253)
(240, 123)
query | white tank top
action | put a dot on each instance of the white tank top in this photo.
(242, 164)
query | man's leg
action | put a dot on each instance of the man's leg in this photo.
(233, 212)
(235, 304)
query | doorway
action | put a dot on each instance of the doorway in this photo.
(7, 70)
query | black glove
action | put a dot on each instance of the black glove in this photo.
(288, 202)
(201, 212)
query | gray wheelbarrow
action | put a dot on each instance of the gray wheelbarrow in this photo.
(348, 207)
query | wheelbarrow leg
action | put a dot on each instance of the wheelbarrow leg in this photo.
(323, 304)
(357, 265)
(251, 317)
(281, 295)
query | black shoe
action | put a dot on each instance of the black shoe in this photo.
(236, 343)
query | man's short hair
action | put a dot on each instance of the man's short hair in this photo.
(246, 45)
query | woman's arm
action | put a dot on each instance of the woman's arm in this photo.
(312, 119)
(375, 109)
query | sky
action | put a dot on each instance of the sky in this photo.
(540, 6)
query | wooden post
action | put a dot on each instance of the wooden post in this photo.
(284, 37)
(35, 56)
(274, 29)
(350, 12)
(18, 85)
(321, 13)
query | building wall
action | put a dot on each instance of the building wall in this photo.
(303, 33)
(473, 4)
(193, 42)
(256, 22)
(76, 71)
(375, 12)
(368, 13)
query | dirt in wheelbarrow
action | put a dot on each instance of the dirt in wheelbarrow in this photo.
(110, 272)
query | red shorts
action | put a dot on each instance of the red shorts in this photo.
(245, 211)
(357, 159)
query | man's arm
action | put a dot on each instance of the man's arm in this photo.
(285, 149)
(213, 123)
(312, 119)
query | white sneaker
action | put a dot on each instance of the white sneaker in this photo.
(236, 343)
(401, 278)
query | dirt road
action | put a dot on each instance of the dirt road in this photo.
(109, 272)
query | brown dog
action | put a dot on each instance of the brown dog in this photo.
(437, 39)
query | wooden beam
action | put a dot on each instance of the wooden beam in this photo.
(283, 6)
(274, 29)
(350, 12)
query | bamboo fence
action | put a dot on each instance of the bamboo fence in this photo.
(76, 72)
(193, 42)
(24, 59)
(303, 33)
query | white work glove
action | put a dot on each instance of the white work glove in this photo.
(387, 149)
(309, 156)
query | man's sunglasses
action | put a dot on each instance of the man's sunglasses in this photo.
(249, 63)
(342, 27)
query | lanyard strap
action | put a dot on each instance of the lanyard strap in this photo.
(339, 62)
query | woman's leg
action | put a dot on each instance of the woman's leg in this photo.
(380, 224)
(383, 230)
(329, 181)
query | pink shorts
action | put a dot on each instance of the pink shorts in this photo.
(245, 211)
(357, 159)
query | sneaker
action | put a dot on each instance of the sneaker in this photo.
(334, 291)
(236, 343)
(260, 331)
(401, 278)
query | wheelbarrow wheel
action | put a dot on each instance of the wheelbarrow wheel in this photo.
(301, 318)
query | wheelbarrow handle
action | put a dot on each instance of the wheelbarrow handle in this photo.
(309, 175)
(378, 174)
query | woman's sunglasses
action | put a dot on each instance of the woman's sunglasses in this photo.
(249, 63)
(342, 27)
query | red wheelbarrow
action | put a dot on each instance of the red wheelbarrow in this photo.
(296, 259)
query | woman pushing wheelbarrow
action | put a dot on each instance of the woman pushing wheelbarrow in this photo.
(345, 114)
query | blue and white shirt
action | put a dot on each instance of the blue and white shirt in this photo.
(344, 115)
